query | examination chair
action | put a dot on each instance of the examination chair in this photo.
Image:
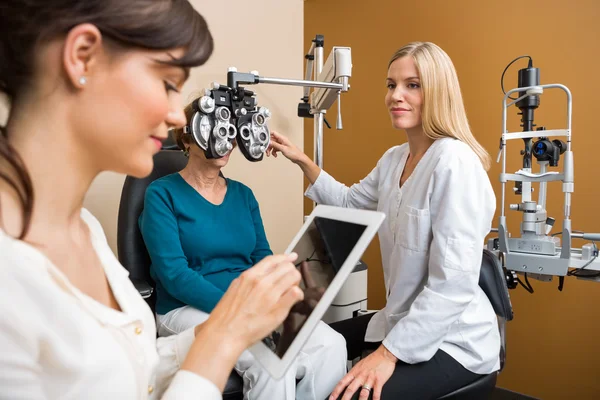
(131, 249)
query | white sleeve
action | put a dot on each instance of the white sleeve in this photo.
(462, 207)
(187, 385)
(172, 382)
(364, 194)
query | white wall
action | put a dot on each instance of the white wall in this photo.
(263, 35)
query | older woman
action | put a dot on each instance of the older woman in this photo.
(202, 231)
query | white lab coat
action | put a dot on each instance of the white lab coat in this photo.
(431, 246)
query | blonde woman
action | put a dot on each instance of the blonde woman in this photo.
(437, 331)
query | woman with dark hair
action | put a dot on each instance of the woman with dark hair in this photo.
(93, 86)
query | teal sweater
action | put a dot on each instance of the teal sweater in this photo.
(197, 248)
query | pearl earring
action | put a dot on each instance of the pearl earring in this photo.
(82, 80)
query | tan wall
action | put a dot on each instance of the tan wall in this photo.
(266, 36)
(551, 343)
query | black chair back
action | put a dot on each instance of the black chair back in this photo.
(493, 283)
(131, 249)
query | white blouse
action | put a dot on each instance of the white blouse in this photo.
(431, 245)
(58, 343)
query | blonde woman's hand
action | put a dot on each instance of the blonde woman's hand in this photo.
(373, 371)
(281, 144)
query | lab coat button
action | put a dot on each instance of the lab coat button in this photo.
(138, 330)
(150, 388)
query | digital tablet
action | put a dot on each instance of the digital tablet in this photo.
(329, 245)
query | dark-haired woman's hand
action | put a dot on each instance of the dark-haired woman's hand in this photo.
(255, 304)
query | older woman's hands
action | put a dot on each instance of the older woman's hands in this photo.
(255, 304)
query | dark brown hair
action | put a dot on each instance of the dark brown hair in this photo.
(25, 25)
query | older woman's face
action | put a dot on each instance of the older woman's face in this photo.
(198, 154)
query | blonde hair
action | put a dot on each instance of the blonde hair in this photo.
(444, 112)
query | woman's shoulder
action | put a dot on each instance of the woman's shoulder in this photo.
(167, 182)
(10, 250)
(394, 153)
(455, 144)
(166, 187)
(237, 185)
(451, 151)
(23, 271)
(240, 191)
(15, 251)
(23, 277)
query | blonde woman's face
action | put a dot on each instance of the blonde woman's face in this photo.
(404, 97)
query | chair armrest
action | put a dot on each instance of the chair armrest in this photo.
(143, 287)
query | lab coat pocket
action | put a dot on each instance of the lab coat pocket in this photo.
(414, 228)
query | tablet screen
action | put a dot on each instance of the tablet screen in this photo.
(322, 250)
